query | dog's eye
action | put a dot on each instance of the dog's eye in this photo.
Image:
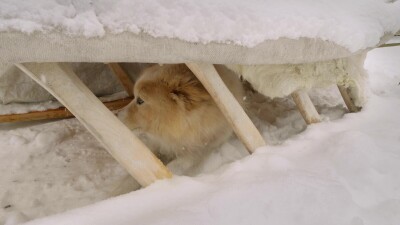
(139, 101)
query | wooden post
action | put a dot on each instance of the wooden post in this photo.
(240, 122)
(306, 107)
(123, 77)
(348, 100)
(120, 142)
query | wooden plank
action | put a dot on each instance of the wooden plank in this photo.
(306, 107)
(120, 142)
(389, 45)
(123, 77)
(59, 113)
(234, 113)
(348, 100)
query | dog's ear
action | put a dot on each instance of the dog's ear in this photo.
(189, 92)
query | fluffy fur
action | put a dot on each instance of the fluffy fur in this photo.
(281, 80)
(177, 115)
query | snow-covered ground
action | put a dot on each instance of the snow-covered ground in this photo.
(343, 171)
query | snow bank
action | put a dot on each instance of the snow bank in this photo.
(356, 24)
(344, 171)
(48, 165)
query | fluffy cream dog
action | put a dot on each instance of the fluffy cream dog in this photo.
(177, 116)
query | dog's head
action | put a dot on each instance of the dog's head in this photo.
(165, 96)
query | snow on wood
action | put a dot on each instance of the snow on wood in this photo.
(360, 23)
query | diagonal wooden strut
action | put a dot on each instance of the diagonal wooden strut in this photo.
(306, 107)
(123, 77)
(119, 141)
(240, 122)
(347, 98)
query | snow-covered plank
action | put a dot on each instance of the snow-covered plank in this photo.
(306, 107)
(348, 99)
(125, 147)
(246, 23)
(234, 113)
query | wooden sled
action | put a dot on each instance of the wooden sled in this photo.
(128, 150)
(119, 141)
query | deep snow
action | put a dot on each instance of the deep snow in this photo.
(343, 171)
(355, 24)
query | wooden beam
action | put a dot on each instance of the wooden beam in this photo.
(389, 45)
(123, 77)
(59, 113)
(119, 141)
(306, 107)
(234, 113)
(348, 100)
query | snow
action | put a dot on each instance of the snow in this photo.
(343, 171)
(356, 24)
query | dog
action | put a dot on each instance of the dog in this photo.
(175, 115)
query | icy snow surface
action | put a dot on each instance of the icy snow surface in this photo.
(343, 171)
(355, 24)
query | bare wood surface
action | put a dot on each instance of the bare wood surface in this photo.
(58, 113)
(236, 116)
(306, 107)
(119, 141)
(348, 100)
(123, 77)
